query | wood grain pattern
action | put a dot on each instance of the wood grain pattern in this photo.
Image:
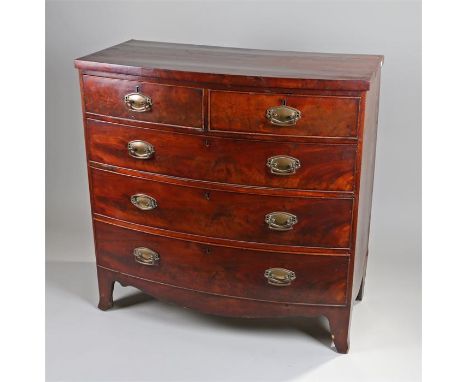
(210, 179)
(323, 166)
(220, 305)
(242, 245)
(366, 179)
(172, 105)
(322, 222)
(338, 317)
(224, 271)
(235, 67)
(321, 116)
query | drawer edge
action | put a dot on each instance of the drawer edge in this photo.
(216, 294)
(267, 247)
(91, 115)
(218, 186)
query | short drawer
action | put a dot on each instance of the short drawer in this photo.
(282, 220)
(144, 101)
(327, 167)
(285, 115)
(282, 277)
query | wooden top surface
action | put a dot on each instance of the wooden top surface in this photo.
(148, 58)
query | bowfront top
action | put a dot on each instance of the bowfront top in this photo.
(235, 66)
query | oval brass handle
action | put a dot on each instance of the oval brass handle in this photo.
(280, 276)
(145, 256)
(280, 221)
(283, 165)
(283, 115)
(138, 102)
(140, 149)
(143, 202)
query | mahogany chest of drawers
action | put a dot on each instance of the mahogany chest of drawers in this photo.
(236, 182)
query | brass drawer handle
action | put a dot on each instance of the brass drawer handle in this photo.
(280, 276)
(138, 102)
(146, 256)
(140, 149)
(283, 115)
(280, 221)
(143, 202)
(283, 165)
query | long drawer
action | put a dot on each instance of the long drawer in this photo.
(283, 220)
(282, 277)
(328, 167)
(284, 114)
(144, 101)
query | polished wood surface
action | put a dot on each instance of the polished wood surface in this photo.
(209, 176)
(236, 66)
(321, 222)
(326, 167)
(172, 105)
(262, 247)
(368, 142)
(227, 306)
(224, 271)
(321, 116)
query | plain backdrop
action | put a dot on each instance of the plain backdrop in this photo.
(391, 28)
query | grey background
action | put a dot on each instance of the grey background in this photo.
(386, 328)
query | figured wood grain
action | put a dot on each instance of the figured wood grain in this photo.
(224, 271)
(324, 167)
(209, 224)
(322, 222)
(172, 105)
(242, 245)
(221, 305)
(235, 67)
(321, 116)
(366, 179)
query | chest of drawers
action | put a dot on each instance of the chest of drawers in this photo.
(236, 182)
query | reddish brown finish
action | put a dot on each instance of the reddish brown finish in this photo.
(234, 66)
(338, 147)
(172, 105)
(241, 189)
(223, 242)
(321, 116)
(368, 142)
(106, 289)
(224, 271)
(321, 222)
(338, 317)
(339, 326)
(323, 166)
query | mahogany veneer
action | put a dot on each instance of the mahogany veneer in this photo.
(328, 116)
(237, 182)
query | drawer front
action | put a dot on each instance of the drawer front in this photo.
(268, 164)
(319, 115)
(222, 270)
(171, 105)
(321, 222)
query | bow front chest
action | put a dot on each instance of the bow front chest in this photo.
(237, 182)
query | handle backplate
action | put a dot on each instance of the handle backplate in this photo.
(140, 149)
(138, 102)
(143, 202)
(280, 276)
(283, 165)
(283, 115)
(280, 221)
(146, 256)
